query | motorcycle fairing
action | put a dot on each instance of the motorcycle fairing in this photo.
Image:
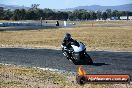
(79, 48)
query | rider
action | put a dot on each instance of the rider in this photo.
(67, 44)
(67, 40)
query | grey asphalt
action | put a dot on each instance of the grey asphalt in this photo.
(104, 62)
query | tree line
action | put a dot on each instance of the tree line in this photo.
(49, 14)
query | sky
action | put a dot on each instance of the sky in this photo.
(63, 4)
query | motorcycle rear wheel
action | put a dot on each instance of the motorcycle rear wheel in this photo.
(88, 60)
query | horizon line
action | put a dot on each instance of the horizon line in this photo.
(67, 7)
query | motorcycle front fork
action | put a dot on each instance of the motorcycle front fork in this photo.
(67, 56)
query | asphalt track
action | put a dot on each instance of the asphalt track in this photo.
(104, 62)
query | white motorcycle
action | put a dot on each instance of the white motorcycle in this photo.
(77, 54)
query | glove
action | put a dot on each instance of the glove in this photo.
(65, 48)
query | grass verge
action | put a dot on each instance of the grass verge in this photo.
(96, 38)
(12, 76)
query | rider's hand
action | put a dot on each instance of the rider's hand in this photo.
(65, 48)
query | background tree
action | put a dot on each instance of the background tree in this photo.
(22, 15)
(7, 14)
(48, 13)
(39, 13)
(70, 15)
(104, 15)
(76, 14)
(31, 15)
(109, 12)
(1, 13)
(16, 15)
(99, 15)
(115, 13)
(36, 13)
(34, 6)
(92, 15)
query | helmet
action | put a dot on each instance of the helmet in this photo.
(67, 36)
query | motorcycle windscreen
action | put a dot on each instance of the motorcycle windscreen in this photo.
(79, 48)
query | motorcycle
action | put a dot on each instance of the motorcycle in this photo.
(77, 53)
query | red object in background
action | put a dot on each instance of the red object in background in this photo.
(83, 78)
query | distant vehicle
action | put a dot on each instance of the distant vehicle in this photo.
(125, 17)
(114, 18)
